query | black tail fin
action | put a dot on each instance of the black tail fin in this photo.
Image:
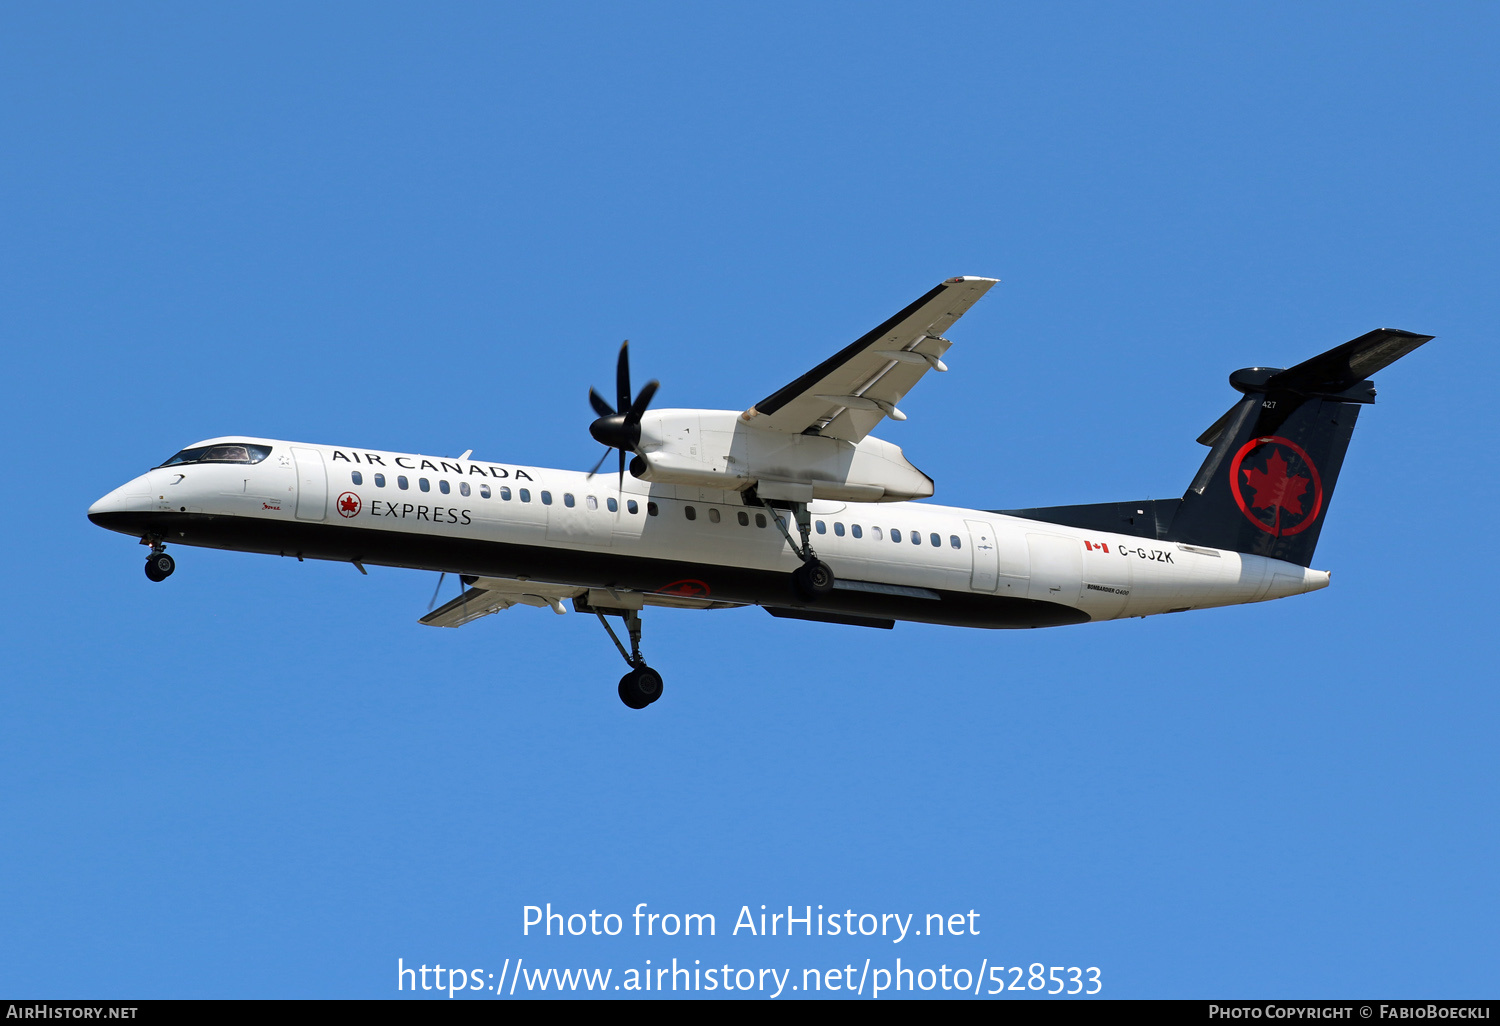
(1276, 456)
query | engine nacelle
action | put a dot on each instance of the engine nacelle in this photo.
(717, 449)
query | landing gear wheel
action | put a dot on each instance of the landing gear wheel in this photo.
(159, 566)
(640, 687)
(814, 579)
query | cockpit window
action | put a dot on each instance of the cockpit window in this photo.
(236, 452)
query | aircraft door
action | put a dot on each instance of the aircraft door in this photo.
(986, 556)
(312, 484)
(1056, 568)
(1015, 561)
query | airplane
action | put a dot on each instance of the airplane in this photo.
(792, 505)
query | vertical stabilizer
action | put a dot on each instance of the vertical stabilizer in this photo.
(1276, 454)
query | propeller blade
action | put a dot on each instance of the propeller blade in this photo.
(622, 377)
(620, 483)
(600, 406)
(600, 463)
(436, 590)
(638, 408)
(620, 428)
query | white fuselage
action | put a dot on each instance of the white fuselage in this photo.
(394, 508)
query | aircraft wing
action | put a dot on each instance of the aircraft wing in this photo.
(851, 392)
(491, 594)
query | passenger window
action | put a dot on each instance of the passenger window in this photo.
(357, 477)
(953, 540)
(443, 485)
(525, 494)
(713, 515)
(463, 488)
(760, 520)
(379, 480)
(614, 507)
(875, 533)
(632, 506)
(484, 491)
(546, 497)
(568, 499)
(591, 502)
(937, 541)
(916, 537)
(895, 534)
(651, 509)
(854, 529)
(401, 483)
(692, 514)
(838, 528)
(744, 518)
(822, 527)
(424, 484)
(504, 492)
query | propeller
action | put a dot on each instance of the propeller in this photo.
(619, 426)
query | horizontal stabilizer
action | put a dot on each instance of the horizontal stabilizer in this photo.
(1348, 364)
(1342, 373)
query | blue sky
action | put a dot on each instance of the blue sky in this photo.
(428, 229)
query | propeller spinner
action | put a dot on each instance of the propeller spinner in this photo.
(619, 427)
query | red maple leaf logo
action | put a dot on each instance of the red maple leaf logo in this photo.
(348, 504)
(1275, 487)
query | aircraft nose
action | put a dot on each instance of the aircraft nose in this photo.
(132, 497)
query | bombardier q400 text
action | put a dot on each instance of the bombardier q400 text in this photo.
(792, 505)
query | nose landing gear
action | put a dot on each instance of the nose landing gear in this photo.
(159, 565)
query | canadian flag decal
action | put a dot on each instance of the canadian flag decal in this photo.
(1091, 546)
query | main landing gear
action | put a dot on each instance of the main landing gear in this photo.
(814, 578)
(159, 565)
(641, 685)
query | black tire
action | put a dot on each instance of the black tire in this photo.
(814, 580)
(159, 566)
(640, 687)
(628, 693)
